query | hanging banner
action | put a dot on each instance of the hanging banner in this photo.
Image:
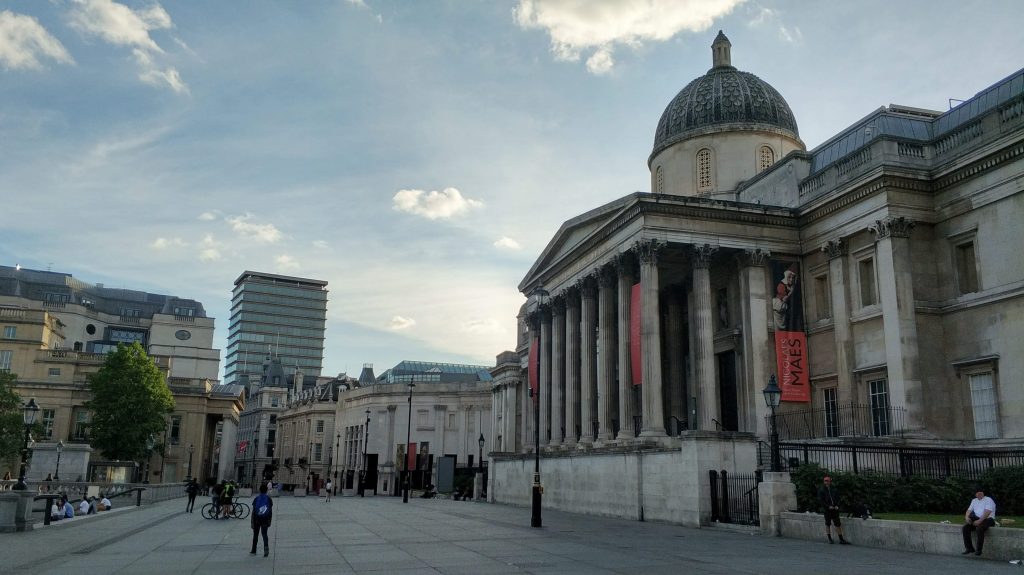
(242, 445)
(635, 358)
(533, 369)
(410, 458)
(790, 338)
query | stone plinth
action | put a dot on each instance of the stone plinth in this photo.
(15, 511)
(775, 495)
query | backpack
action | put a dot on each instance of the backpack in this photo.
(261, 505)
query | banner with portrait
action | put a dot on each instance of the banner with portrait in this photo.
(790, 338)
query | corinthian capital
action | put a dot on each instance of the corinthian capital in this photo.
(892, 227)
(647, 250)
(834, 248)
(756, 257)
(700, 255)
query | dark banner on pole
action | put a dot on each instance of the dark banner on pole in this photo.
(410, 458)
(790, 339)
(634, 335)
(533, 369)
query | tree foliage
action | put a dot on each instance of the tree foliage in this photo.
(12, 430)
(130, 401)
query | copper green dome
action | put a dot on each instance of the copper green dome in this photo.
(723, 97)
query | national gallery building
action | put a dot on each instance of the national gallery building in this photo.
(878, 277)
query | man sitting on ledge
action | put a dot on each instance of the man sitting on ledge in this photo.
(980, 515)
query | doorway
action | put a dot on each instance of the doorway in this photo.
(727, 391)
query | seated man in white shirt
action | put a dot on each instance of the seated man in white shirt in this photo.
(83, 507)
(106, 503)
(980, 515)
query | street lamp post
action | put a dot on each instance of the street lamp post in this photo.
(480, 461)
(363, 473)
(28, 417)
(337, 458)
(150, 442)
(540, 296)
(255, 453)
(772, 396)
(60, 449)
(408, 438)
(191, 448)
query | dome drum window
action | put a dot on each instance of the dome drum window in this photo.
(765, 158)
(705, 181)
(660, 184)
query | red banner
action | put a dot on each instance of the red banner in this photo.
(533, 370)
(242, 445)
(634, 334)
(410, 458)
(791, 355)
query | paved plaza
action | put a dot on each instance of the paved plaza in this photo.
(383, 535)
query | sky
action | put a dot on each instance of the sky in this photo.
(417, 155)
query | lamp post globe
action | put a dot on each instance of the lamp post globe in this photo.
(28, 417)
(772, 398)
(408, 438)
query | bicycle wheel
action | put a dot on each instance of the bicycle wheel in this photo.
(207, 511)
(240, 510)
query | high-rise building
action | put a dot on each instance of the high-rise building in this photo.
(275, 316)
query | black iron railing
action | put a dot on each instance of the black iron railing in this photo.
(935, 463)
(734, 497)
(848, 420)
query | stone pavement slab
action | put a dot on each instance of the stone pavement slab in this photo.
(381, 535)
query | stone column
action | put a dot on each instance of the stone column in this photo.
(841, 330)
(650, 340)
(703, 346)
(588, 375)
(510, 429)
(525, 416)
(756, 348)
(545, 375)
(572, 364)
(676, 358)
(390, 458)
(557, 370)
(627, 398)
(899, 316)
(437, 447)
(606, 354)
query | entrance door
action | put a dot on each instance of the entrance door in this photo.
(727, 391)
(371, 472)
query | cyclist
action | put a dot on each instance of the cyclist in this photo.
(225, 500)
(215, 494)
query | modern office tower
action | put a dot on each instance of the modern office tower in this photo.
(275, 316)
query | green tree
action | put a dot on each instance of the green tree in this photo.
(130, 400)
(12, 430)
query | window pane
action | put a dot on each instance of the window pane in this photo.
(822, 297)
(983, 403)
(866, 273)
(831, 398)
(879, 390)
(966, 271)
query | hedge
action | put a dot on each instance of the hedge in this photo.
(892, 494)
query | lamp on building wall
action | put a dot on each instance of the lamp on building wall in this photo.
(28, 417)
(191, 449)
(408, 438)
(150, 442)
(362, 472)
(772, 397)
(60, 449)
(540, 296)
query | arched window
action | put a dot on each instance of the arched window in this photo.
(705, 180)
(765, 158)
(659, 187)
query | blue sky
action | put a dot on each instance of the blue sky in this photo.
(416, 155)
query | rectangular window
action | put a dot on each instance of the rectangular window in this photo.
(10, 331)
(55, 297)
(831, 399)
(81, 424)
(983, 405)
(48, 416)
(822, 297)
(274, 402)
(421, 418)
(271, 435)
(451, 421)
(879, 396)
(866, 275)
(184, 311)
(130, 312)
(318, 451)
(270, 451)
(966, 268)
(54, 372)
(319, 426)
(273, 420)
(174, 437)
(5, 360)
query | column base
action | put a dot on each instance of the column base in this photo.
(653, 433)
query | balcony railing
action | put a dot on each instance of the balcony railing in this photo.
(848, 420)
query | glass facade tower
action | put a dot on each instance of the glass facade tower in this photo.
(275, 316)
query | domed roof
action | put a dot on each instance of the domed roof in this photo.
(724, 95)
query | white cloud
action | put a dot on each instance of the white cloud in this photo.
(507, 243)
(768, 17)
(164, 243)
(119, 25)
(320, 244)
(266, 233)
(209, 249)
(23, 41)
(287, 262)
(581, 25)
(487, 326)
(434, 205)
(208, 216)
(399, 323)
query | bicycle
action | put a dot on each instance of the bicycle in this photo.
(238, 510)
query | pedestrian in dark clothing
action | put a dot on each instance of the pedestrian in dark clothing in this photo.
(828, 495)
(192, 489)
(262, 513)
(980, 515)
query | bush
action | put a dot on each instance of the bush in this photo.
(885, 493)
(1006, 486)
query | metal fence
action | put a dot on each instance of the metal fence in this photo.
(734, 497)
(852, 419)
(934, 463)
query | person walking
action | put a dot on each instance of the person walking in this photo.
(262, 513)
(980, 515)
(828, 495)
(329, 487)
(192, 489)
